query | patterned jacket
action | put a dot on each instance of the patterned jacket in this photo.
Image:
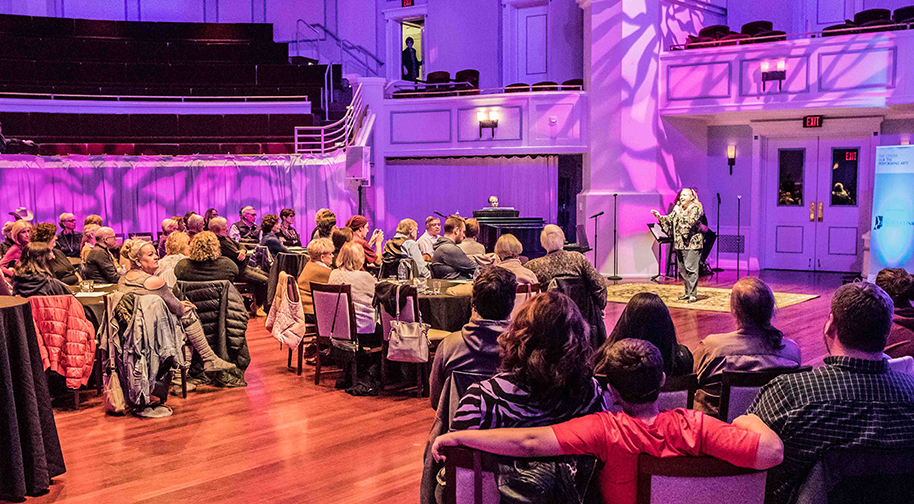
(684, 227)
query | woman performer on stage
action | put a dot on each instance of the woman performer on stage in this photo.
(682, 223)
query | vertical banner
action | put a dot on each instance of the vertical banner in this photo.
(892, 229)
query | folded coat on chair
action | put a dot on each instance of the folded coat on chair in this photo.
(65, 337)
(286, 321)
(223, 317)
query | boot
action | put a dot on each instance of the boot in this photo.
(211, 361)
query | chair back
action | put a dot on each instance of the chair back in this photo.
(470, 477)
(739, 389)
(697, 480)
(460, 381)
(579, 291)
(518, 87)
(141, 236)
(859, 475)
(333, 311)
(524, 293)
(678, 392)
(409, 312)
(402, 269)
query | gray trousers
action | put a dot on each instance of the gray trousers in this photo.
(688, 269)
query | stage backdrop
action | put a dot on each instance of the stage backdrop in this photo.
(418, 187)
(135, 193)
(892, 238)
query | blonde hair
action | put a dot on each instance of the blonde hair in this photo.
(204, 246)
(176, 242)
(407, 226)
(351, 257)
(131, 250)
(18, 227)
(93, 219)
(508, 247)
(64, 216)
(318, 247)
(167, 223)
(552, 238)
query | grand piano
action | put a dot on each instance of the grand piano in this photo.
(495, 221)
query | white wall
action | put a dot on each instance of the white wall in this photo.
(718, 178)
(463, 35)
(897, 132)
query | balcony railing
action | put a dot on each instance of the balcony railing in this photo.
(336, 135)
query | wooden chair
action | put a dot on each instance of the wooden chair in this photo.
(524, 293)
(697, 480)
(518, 87)
(335, 317)
(678, 392)
(467, 82)
(859, 475)
(470, 477)
(409, 313)
(739, 388)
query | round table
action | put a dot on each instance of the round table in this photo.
(30, 452)
(443, 311)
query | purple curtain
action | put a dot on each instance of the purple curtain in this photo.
(418, 187)
(135, 193)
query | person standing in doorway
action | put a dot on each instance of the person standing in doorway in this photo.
(411, 62)
(684, 224)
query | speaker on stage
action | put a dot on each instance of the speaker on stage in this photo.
(358, 163)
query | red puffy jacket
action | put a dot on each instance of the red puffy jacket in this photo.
(65, 337)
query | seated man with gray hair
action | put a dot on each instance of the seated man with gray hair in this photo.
(195, 225)
(560, 262)
(68, 241)
(239, 255)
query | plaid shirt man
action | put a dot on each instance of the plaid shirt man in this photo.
(848, 403)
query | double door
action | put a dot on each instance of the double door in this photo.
(812, 208)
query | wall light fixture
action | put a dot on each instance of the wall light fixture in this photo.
(487, 120)
(774, 75)
(731, 157)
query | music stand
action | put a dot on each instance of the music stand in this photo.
(662, 238)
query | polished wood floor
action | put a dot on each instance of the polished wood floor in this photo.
(283, 439)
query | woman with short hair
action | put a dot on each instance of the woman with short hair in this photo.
(33, 276)
(60, 265)
(287, 232)
(269, 237)
(508, 250)
(349, 271)
(756, 345)
(317, 269)
(546, 375)
(404, 246)
(21, 234)
(205, 262)
(560, 262)
(177, 246)
(88, 240)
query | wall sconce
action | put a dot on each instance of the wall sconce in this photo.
(487, 120)
(774, 75)
(731, 157)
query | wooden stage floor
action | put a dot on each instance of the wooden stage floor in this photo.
(283, 439)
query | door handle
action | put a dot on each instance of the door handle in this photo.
(812, 211)
(821, 210)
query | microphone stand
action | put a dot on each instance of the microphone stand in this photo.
(739, 200)
(615, 276)
(717, 268)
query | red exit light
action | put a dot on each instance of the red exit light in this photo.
(812, 122)
(408, 3)
(850, 156)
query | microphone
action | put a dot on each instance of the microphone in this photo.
(594, 216)
(739, 197)
(718, 198)
(439, 214)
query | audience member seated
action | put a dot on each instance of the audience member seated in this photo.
(68, 241)
(208, 216)
(7, 241)
(508, 250)
(634, 372)
(430, 237)
(324, 223)
(287, 232)
(59, 265)
(349, 272)
(93, 219)
(246, 230)
(448, 261)
(195, 224)
(269, 237)
(21, 234)
(33, 275)
(141, 280)
(239, 255)
(474, 348)
(559, 262)
(853, 401)
(899, 285)
(205, 262)
(317, 269)
(339, 237)
(404, 246)
(371, 248)
(88, 241)
(177, 248)
(469, 245)
(647, 318)
(546, 375)
(169, 226)
(100, 265)
(756, 345)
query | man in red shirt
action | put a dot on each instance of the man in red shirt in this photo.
(634, 371)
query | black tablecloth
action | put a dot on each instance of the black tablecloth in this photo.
(29, 448)
(447, 313)
(293, 264)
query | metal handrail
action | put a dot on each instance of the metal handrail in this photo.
(430, 90)
(338, 134)
(345, 45)
(854, 30)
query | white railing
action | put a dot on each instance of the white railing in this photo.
(337, 135)
(421, 89)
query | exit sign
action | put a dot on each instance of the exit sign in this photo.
(408, 3)
(812, 121)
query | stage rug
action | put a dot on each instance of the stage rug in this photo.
(709, 298)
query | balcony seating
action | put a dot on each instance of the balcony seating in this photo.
(734, 39)
(467, 82)
(752, 29)
(904, 15)
(519, 87)
(546, 86)
(772, 35)
(573, 85)
(865, 16)
(693, 42)
(715, 32)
